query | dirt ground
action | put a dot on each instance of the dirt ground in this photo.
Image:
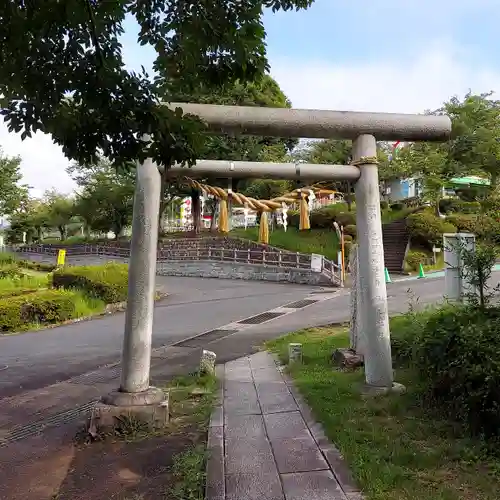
(137, 470)
(130, 463)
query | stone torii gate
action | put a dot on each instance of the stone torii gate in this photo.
(364, 129)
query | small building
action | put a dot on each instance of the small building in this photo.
(402, 189)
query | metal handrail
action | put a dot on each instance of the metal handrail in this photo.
(273, 257)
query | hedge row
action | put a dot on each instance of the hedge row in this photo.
(108, 283)
(44, 307)
(452, 205)
(455, 351)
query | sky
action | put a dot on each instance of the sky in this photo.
(403, 56)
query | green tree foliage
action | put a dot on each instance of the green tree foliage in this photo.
(59, 211)
(476, 134)
(105, 200)
(327, 152)
(32, 219)
(12, 194)
(264, 92)
(63, 72)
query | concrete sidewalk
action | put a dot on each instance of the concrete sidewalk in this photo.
(264, 443)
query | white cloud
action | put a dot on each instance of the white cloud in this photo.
(407, 86)
(412, 85)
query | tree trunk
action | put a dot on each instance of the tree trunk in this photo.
(117, 230)
(196, 210)
(62, 232)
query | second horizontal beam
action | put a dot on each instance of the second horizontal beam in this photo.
(265, 170)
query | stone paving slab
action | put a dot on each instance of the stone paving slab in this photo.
(264, 443)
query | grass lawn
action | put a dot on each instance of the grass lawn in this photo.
(320, 241)
(396, 449)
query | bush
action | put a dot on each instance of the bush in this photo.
(37, 266)
(108, 282)
(11, 271)
(427, 229)
(397, 207)
(384, 205)
(488, 228)
(323, 218)
(457, 357)
(350, 230)
(45, 307)
(6, 258)
(451, 205)
(464, 223)
(346, 219)
(348, 238)
(414, 258)
(347, 249)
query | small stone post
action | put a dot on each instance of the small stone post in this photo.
(294, 353)
(456, 286)
(207, 362)
(373, 293)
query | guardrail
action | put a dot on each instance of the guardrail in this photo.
(274, 257)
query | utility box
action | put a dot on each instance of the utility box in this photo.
(456, 287)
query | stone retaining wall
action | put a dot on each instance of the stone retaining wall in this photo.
(230, 270)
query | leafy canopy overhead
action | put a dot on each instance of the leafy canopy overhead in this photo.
(62, 70)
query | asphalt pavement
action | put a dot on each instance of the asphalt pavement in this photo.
(193, 306)
(34, 360)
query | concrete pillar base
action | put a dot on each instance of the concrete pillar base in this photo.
(151, 396)
(373, 391)
(150, 407)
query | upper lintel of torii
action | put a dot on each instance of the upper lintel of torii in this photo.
(318, 124)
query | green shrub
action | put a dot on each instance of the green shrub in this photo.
(488, 228)
(404, 333)
(347, 238)
(347, 248)
(397, 207)
(464, 223)
(45, 307)
(414, 258)
(323, 218)
(10, 271)
(427, 229)
(6, 258)
(43, 267)
(451, 205)
(350, 230)
(346, 219)
(108, 282)
(457, 356)
(384, 205)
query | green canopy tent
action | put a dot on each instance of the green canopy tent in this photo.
(471, 180)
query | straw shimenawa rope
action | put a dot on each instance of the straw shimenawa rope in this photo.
(365, 160)
(262, 206)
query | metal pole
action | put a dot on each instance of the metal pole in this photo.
(136, 358)
(375, 318)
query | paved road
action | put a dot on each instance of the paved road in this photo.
(195, 305)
